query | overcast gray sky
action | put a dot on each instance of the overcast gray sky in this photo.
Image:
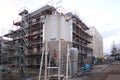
(103, 14)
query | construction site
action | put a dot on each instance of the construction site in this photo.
(48, 45)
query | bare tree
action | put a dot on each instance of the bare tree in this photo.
(114, 50)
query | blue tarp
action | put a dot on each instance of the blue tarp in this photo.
(86, 67)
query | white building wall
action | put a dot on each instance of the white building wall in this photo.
(97, 42)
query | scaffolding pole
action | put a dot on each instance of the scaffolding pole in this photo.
(41, 64)
(68, 53)
(59, 59)
(46, 53)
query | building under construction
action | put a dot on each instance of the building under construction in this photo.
(97, 42)
(42, 40)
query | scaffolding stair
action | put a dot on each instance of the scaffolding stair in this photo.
(21, 49)
(24, 31)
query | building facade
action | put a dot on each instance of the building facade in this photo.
(97, 42)
(3, 51)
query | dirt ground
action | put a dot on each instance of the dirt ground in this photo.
(99, 72)
(104, 72)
